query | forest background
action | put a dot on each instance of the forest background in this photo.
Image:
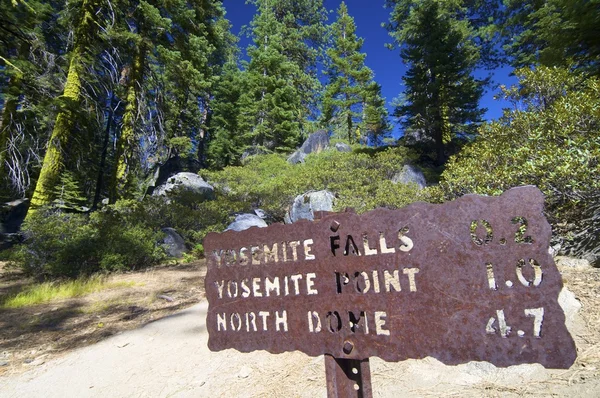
(103, 100)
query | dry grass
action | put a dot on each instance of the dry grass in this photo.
(41, 293)
(44, 321)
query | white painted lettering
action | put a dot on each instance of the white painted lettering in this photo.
(296, 278)
(264, 315)
(245, 288)
(312, 327)
(220, 288)
(376, 281)
(271, 286)
(310, 283)
(368, 250)
(411, 277)
(232, 293)
(307, 248)
(221, 322)
(383, 245)
(270, 254)
(281, 320)
(256, 287)
(391, 281)
(235, 319)
(294, 245)
(380, 317)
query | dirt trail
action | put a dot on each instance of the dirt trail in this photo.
(170, 358)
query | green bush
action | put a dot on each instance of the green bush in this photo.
(360, 179)
(71, 245)
(550, 139)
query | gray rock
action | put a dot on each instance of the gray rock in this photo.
(244, 372)
(261, 213)
(584, 239)
(245, 221)
(186, 183)
(564, 261)
(173, 243)
(410, 174)
(12, 215)
(249, 153)
(571, 306)
(315, 143)
(306, 204)
(343, 147)
(3, 363)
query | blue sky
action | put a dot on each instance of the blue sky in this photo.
(386, 64)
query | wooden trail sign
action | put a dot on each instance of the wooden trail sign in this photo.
(468, 280)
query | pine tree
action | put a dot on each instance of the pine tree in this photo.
(271, 103)
(553, 33)
(175, 53)
(351, 99)
(442, 96)
(28, 81)
(86, 31)
(226, 141)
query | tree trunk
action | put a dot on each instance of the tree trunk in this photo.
(126, 143)
(100, 179)
(57, 145)
(349, 118)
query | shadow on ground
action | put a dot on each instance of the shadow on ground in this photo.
(53, 328)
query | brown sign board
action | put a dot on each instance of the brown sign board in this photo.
(468, 280)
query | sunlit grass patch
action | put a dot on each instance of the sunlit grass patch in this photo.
(49, 291)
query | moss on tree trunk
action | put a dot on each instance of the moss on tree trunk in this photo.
(126, 143)
(57, 145)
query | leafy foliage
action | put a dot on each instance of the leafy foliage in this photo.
(359, 179)
(550, 139)
(352, 100)
(71, 245)
(553, 33)
(442, 96)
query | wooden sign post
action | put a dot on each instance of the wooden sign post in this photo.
(468, 280)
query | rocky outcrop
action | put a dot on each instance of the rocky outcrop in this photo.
(173, 243)
(245, 221)
(189, 184)
(315, 143)
(305, 205)
(342, 147)
(410, 175)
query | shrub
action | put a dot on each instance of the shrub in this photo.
(70, 245)
(551, 138)
(360, 179)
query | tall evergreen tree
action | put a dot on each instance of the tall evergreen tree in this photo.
(352, 100)
(553, 33)
(28, 81)
(280, 82)
(87, 22)
(175, 53)
(442, 96)
(271, 104)
(226, 143)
